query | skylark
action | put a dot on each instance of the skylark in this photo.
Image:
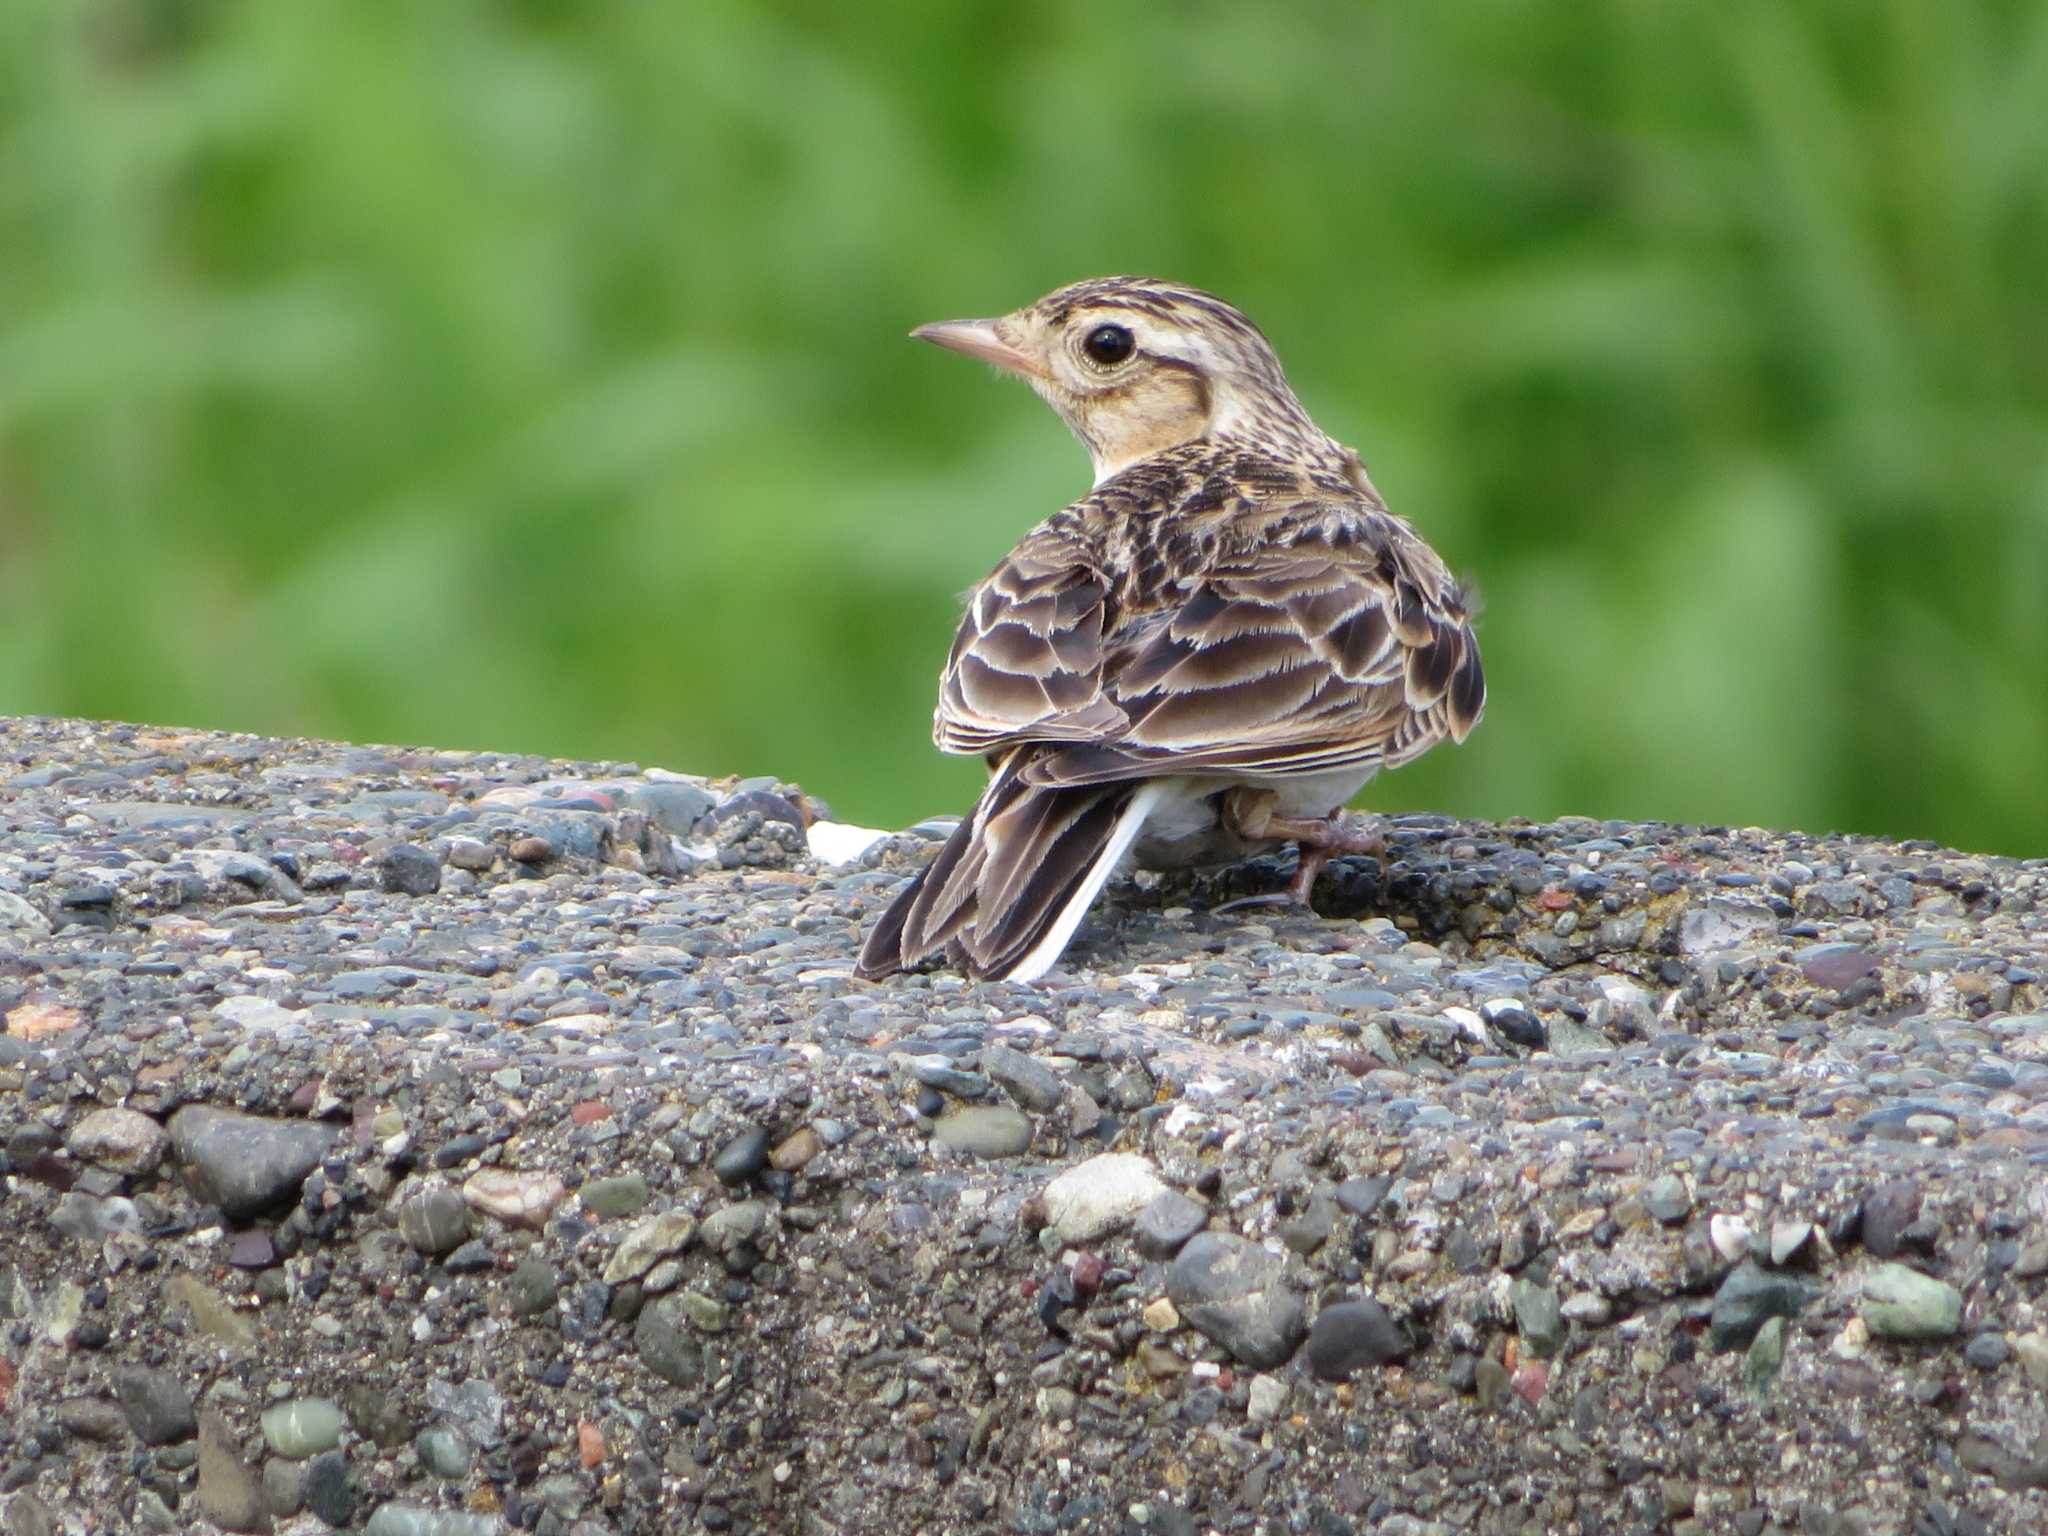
(1210, 652)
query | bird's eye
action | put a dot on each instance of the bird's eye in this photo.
(1108, 345)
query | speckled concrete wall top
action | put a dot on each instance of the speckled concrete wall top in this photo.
(436, 1142)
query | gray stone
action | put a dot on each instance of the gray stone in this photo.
(159, 1408)
(474, 1408)
(1237, 1293)
(667, 1344)
(401, 1519)
(1747, 1298)
(1490, 1382)
(1570, 1038)
(1352, 1335)
(675, 808)
(284, 1487)
(1265, 1398)
(1538, 1316)
(2032, 1259)
(125, 1140)
(1978, 1452)
(1100, 1196)
(91, 1418)
(1165, 1225)
(742, 1157)
(731, 1228)
(471, 854)
(1766, 1352)
(984, 1130)
(1308, 1231)
(378, 1416)
(18, 916)
(28, 1515)
(409, 871)
(1902, 1303)
(230, 1492)
(937, 1072)
(443, 1452)
(85, 1219)
(532, 1287)
(1887, 1213)
(246, 1164)
(1027, 1080)
(1718, 924)
(433, 1217)
(1361, 1197)
(330, 1491)
(1987, 1351)
(1668, 1199)
(651, 1240)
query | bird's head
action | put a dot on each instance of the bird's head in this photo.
(1135, 366)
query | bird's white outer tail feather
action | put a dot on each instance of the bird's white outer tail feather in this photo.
(1046, 953)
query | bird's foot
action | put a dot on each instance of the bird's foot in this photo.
(1318, 839)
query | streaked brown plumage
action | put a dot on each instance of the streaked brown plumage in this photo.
(1209, 652)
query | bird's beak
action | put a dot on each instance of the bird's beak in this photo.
(978, 338)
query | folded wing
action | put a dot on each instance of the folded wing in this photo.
(1316, 638)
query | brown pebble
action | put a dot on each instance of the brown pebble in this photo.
(795, 1150)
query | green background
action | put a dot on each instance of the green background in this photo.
(533, 376)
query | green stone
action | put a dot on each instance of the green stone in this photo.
(443, 1452)
(1901, 1303)
(705, 1315)
(1766, 1352)
(984, 1131)
(613, 1197)
(210, 1312)
(532, 1287)
(302, 1427)
(1538, 1316)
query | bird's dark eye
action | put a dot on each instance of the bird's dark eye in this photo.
(1108, 345)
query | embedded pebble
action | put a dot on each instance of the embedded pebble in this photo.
(158, 1404)
(1901, 1303)
(984, 1131)
(1101, 1196)
(1163, 1227)
(246, 1164)
(230, 1492)
(517, 1199)
(1351, 1335)
(302, 1427)
(124, 1140)
(1237, 1293)
(1748, 1298)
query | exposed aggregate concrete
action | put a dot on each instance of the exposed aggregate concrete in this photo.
(435, 1142)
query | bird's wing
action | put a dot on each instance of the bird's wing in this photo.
(1318, 638)
(1026, 665)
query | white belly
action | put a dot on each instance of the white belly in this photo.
(1184, 830)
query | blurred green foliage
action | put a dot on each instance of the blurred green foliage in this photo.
(533, 376)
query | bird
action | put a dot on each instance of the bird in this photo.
(1209, 653)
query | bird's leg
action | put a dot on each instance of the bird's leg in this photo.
(1317, 839)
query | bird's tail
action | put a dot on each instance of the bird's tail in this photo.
(1012, 883)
